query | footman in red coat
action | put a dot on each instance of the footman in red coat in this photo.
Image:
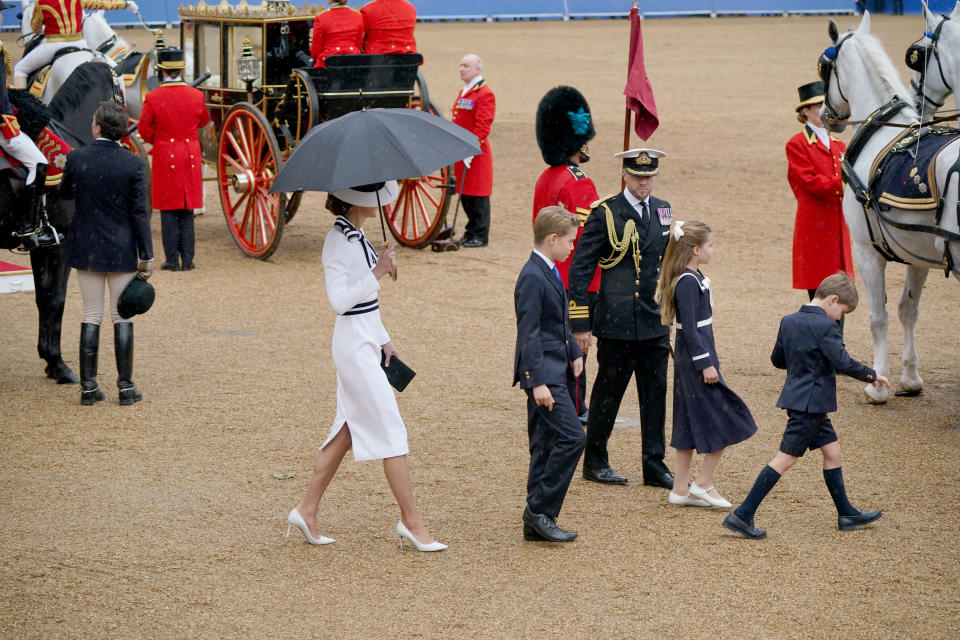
(474, 110)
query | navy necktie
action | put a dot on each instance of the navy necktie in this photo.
(643, 212)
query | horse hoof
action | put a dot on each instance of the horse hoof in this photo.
(909, 393)
(60, 372)
(880, 398)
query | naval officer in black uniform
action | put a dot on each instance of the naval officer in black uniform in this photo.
(626, 235)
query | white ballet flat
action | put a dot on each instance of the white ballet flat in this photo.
(405, 533)
(687, 500)
(704, 494)
(296, 520)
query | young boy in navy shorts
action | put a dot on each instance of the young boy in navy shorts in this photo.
(810, 347)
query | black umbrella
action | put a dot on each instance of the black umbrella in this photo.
(364, 147)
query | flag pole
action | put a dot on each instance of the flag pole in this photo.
(626, 117)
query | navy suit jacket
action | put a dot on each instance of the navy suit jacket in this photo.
(810, 347)
(111, 226)
(545, 346)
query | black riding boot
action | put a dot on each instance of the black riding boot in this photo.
(32, 233)
(123, 346)
(89, 346)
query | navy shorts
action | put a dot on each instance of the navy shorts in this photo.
(806, 431)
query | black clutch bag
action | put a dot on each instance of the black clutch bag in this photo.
(399, 375)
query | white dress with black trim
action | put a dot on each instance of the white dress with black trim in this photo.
(365, 400)
(706, 417)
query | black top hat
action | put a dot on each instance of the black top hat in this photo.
(137, 298)
(564, 125)
(810, 93)
(641, 162)
(170, 58)
(6, 5)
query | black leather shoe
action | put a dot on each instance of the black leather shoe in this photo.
(604, 476)
(187, 267)
(735, 524)
(663, 479)
(169, 266)
(540, 527)
(474, 243)
(464, 238)
(849, 523)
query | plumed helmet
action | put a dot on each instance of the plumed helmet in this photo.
(564, 124)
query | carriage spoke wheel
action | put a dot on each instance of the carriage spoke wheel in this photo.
(416, 214)
(248, 159)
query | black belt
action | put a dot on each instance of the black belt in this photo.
(363, 307)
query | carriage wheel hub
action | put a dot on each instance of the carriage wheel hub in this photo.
(243, 182)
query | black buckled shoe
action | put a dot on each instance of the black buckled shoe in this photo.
(663, 479)
(746, 529)
(605, 475)
(538, 527)
(474, 243)
(849, 523)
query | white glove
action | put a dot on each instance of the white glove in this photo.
(132, 7)
(467, 161)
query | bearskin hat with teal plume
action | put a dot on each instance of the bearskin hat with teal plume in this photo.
(564, 124)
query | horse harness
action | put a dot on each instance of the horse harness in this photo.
(917, 57)
(866, 194)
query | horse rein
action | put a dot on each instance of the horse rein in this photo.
(913, 58)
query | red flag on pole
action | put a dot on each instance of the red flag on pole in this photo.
(639, 92)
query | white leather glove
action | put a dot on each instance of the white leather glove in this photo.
(132, 7)
(467, 161)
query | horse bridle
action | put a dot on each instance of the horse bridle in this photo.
(826, 66)
(917, 57)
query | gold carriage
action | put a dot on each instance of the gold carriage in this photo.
(264, 96)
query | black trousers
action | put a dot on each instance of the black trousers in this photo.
(556, 442)
(617, 360)
(176, 226)
(477, 209)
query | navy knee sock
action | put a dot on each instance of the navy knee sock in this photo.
(834, 480)
(765, 481)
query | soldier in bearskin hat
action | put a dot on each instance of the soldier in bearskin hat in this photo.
(564, 127)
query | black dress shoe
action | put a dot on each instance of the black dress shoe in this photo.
(848, 523)
(735, 524)
(464, 238)
(543, 528)
(473, 243)
(663, 479)
(604, 476)
(187, 267)
(169, 266)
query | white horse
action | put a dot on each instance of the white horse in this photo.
(935, 59)
(65, 64)
(861, 84)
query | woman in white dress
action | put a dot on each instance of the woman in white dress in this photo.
(368, 419)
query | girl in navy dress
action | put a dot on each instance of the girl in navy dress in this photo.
(707, 415)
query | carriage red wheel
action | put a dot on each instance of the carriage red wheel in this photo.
(417, 214)
(248, 159)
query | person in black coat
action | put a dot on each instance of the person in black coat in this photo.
(109, 241)
(626, 235)
(547, 358)
(810, 347)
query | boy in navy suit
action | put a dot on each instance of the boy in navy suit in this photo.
(810, 347)
(547, 357)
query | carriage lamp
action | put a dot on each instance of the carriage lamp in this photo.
(248, 67)
(159, 42)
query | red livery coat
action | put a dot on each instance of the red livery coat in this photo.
(569, 187)
(821, 240)
(336, 31)
(474, 110)
(172, 114)
(388, 26)
(62, 20)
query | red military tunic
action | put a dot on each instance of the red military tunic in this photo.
(474, 110)
(388, 25)
(62, 20)
(172, 113)
(569, 187)
(821, 240)
(336, 31)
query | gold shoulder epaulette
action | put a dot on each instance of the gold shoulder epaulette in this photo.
(6, 60)
(596, 203)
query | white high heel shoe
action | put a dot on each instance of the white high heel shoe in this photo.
(405, 533)
(704, 494)
(296, 520)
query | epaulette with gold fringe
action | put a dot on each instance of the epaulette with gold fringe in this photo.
(597, 203)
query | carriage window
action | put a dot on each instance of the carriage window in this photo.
(235, 50)
(208, 46)
(186, 43)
